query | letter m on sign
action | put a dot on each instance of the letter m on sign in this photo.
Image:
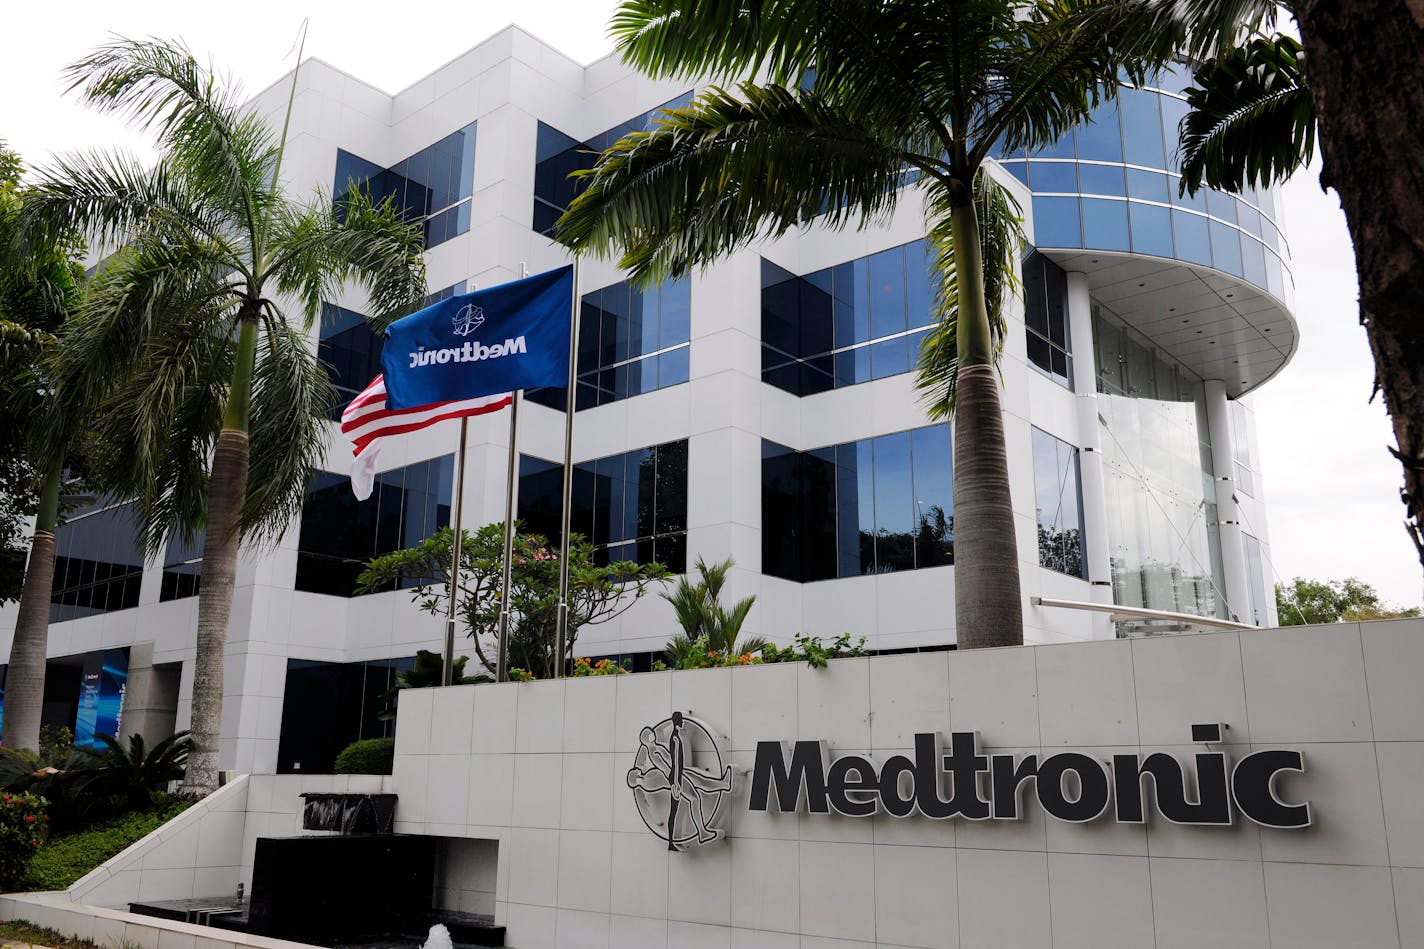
(806, 770)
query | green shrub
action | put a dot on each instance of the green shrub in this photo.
(67, 857)
(22, 830)
(368, 756)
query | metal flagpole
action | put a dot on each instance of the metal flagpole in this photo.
(511, 486)
(447, 674)
(561, 638)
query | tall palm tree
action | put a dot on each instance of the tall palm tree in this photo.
(38, 290)
(852, 99)
(194, 332)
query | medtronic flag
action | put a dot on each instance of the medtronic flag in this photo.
(513, 336)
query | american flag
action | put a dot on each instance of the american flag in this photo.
(367, 420)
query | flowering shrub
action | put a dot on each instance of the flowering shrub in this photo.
(23, 827)
(603, 667)
(696, 655)
(813, 650)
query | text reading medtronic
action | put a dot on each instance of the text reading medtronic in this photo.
(1070, 786)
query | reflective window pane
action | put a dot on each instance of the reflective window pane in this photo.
(1148, 185)
(1055, 222)
(1226, 247)
(1141, 128)
(1189, 231)
(1053, 176)
(1151, 229)
(1101, 139)
(1101, 179)
(1105, 224)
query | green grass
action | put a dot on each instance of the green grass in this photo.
(66, 857)
(21, 931)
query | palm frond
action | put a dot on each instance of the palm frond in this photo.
(316, 249)
(1252, 120)
(726, 170)
(287, 431)
(203, 127)
(1001, 238)
(717, 38)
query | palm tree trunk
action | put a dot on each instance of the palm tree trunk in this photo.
(24, 681)
(1365, 64)
(988, 605)
(226, 492)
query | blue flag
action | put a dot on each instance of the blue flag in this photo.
(513, 336)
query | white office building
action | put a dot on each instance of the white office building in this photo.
(762, 410)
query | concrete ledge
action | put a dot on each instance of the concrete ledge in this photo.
(113, 928)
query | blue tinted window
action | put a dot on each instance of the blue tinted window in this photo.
(557, 156)
(1055, 222)
(1018, 169)
(1275, 276)
(1101, 179)
(1151, 229)
(1105, 224)
(1222, 205)
(1057, 500)
(889, 357)
(1253, 261)
(1148, 185)
(1062, 148)
(1045, 288)
(1053, 176)
(350, 353)
(631, 506)
(1101, 139)
(1226, 247)
(894, 502)
(98, 564)
(626, 344)
(338, 534)
(1249, 218)
(1173, 112)
(864, 507)
(1190, 233)
(886, 273)
(815, 328)
(1196, 202)
(1141, 127)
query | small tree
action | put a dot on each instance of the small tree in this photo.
(1307, 602)
(708, 626)
(596, 594)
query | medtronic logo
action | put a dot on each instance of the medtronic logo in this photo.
(677, 800)
(470, 352)
(684, 804)
(468, 319)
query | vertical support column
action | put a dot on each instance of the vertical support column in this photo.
(1090, 441)
(1233, 559)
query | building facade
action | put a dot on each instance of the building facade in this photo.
(763, 409)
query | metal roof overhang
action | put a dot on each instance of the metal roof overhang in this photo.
(1217, 325)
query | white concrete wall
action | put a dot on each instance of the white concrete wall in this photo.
(195, 854)
(540, 769)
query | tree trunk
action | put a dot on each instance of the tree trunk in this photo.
(1365, 65)
(24, 682)
(226, 491)
(988, 603)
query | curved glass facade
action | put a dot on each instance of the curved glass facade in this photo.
(1163, 540)
(1111, 184)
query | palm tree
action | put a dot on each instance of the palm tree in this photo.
(706, 623)
(856, 100)
(38, 290)
(215, 402)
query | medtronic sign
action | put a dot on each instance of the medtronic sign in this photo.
(1069, 786)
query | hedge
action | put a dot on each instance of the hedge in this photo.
(368, 756)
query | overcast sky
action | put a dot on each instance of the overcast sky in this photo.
(1331, 486)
